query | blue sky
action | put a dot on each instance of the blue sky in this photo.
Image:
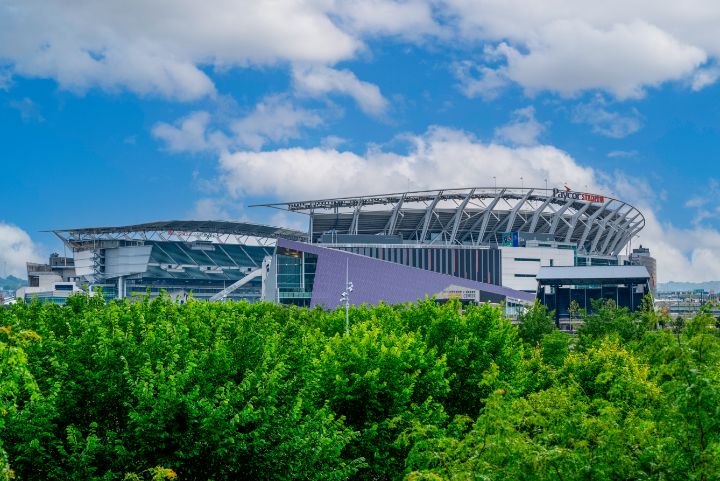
(116, 113)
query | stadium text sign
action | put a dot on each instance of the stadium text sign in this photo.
(569, 194)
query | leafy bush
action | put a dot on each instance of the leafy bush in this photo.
(150, 390)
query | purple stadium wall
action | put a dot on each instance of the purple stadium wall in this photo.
(376, 280)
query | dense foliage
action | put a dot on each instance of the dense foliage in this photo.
(151, 389)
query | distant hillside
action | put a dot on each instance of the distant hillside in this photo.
(688, 286)
(11, 283)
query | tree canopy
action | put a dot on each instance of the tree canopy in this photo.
(151, 389)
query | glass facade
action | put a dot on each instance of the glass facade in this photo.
(295, 276)
(596, 261)
(558, 298)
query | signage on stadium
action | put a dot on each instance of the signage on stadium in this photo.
(570, 194)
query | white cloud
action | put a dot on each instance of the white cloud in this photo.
(706, 204)
(5, 78)
(407, 18)
(439, 158)
(274, 119)
(188, 135)
(622, 154)
(318, 81)
(524, 129)
(161, 47)
(167, 48)
(569, 46)
(29, 111)
(572, 56)
(332, 142)
(16, 248)
(214, 208)
(480, 80)
(704, 77)
(606, 122)
(683, 254)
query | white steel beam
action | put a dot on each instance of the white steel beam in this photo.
(486, 217)
(390, 227)
(558, 215)
(428, 216)
(616, 227)
(536, 214)
(356, 219)
(458, 216)
(622, 234)
(514, 211)
(603, 226)
(589, 225)
(574, 220)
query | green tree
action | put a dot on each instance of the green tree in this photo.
(17, 384)
(594, 422)
(379, 382)
(687, 367)
(606, 318)
(534, 323)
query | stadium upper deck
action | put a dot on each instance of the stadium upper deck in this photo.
(597, 224)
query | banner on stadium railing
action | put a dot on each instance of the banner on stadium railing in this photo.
(571, 194)
(510, 239)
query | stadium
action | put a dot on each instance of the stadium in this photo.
(476, 244)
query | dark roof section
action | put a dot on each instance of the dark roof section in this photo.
(213, 227)
(592, 275)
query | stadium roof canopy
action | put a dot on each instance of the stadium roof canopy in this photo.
(591, 274)
(596, 224)
(180, 230)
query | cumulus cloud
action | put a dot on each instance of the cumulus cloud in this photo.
(406, 18)
(607, 122)
(169, 48)
(162, 47)
(440, 157)
(215, 208)
(479, 80)
(523, 129)
(704, 77)
(318, 81)
(684, 254)
(275, 119)
(16, 248)
(570, 46)
(706, 205)
(187, 135)
(570, 56)
(166, 48)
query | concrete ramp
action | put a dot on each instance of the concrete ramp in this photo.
(237, 285)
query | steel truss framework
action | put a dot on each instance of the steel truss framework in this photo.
(477, 216)
(184, 231)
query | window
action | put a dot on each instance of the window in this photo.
(525, 275)
(526, 259)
